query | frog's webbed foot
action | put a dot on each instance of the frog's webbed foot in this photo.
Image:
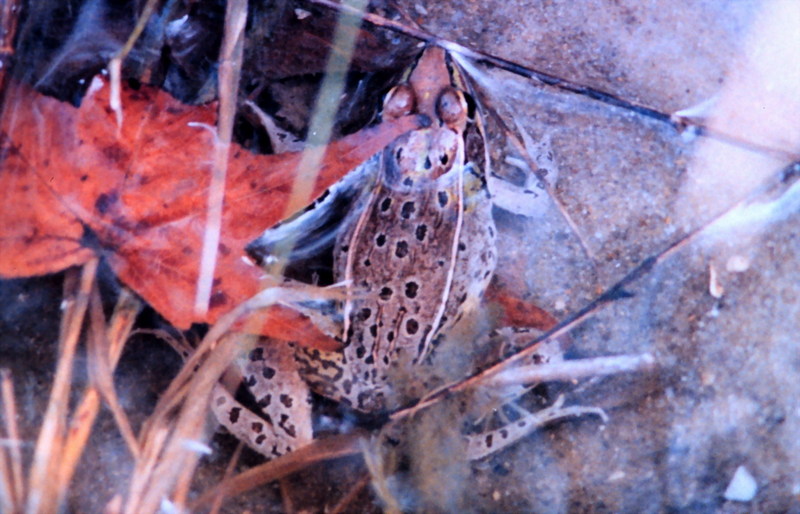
(489, 400)
(519, 424)
(528, 197)
(500, 420)
(283, 423)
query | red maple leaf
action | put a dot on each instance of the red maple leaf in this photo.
(77, 186)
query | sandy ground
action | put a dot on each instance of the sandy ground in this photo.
(725, 391)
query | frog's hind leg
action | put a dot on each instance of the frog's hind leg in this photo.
(490, 441)
(501, 419)
(283, 422)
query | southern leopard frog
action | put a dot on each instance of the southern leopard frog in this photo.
(415, 248)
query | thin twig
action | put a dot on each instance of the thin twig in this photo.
(216, 505)
(102, 370)
(333, 447)
(572, 370)
(351, 495)
(8, 498)
(679, 123)
(322, 119)
(115, 65)
(230, 64)
(105, 347)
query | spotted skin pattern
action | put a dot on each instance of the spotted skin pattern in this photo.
(417, 250)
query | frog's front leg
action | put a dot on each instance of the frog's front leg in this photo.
(281, 396)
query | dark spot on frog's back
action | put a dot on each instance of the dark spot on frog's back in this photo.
(385, 204)
(411, 289)
(267, 372)
(401, 250)
(386, 293)
(421, 231)
(380, 240)
(286, 400)
(412, 326)
(408, 209)
(257, 354)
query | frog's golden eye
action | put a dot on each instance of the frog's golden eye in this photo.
(399, 102)
(451, 107)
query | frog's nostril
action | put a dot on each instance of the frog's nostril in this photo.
(424, 120)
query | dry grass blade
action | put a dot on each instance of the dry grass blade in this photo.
(230, 63)
(321, 124)
(572, 370)
(115, 65)
(12, 486)
(59, 449)
(102, 364)
(46, 492)
(105, 347)
(351, 495)
(374, 459)
(170, 439)
(320, 450)
(8, 497)
(216, 505)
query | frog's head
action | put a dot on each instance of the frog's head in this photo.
(430, 152)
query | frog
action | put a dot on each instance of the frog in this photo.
(414, 245)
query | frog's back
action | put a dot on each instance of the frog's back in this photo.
(418, 252)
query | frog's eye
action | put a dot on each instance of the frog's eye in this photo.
(451, 107)
(399, 102)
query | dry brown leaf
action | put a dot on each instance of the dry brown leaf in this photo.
(76, 186)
